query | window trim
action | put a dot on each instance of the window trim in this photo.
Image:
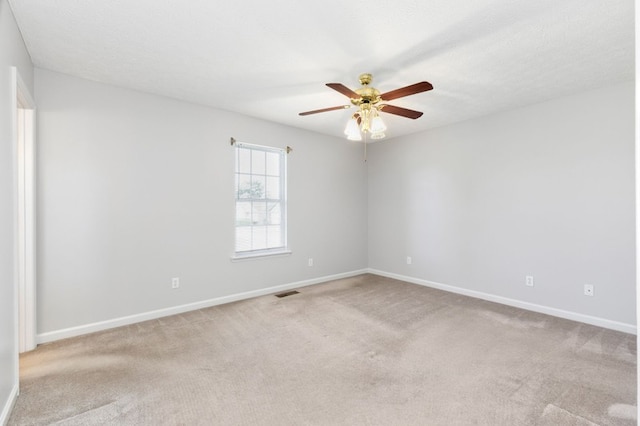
(260, 254)
(264, 252)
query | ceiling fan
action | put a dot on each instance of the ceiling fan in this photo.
(370, 102)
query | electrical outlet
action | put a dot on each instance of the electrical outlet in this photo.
(588, 290)
(310, 262)
(408, 260)
(528, 281)
(175, 282)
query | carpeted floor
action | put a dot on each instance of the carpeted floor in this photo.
(360, 351)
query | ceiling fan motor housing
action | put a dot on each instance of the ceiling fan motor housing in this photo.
(368, 95)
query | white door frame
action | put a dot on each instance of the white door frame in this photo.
(24, 109)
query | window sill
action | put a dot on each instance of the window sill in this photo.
(255, 256)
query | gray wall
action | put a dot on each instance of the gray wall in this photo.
(546, 190)
(135, 189)
(12, 53)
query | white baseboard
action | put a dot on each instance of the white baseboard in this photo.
(8, 406)
(574, 316)
(145, 316)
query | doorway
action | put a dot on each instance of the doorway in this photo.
(24, 137)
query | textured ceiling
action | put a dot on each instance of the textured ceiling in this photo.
(271, 59)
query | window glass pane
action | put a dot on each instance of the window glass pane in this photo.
(244, 186)
(259, 213)
(274, 236)
(259, 237)
(273, 164)
(257, 187)
(243, 213)
(273, 214)
(273, 188)
(258, 162)
(243, 238)
(244, 160)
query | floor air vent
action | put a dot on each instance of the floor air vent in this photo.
(287, 293)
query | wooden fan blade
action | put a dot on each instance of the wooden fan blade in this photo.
(404, 112)
(315, 111)
(344, 90)
(423, 86)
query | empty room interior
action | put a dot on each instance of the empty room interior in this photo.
(331, 213)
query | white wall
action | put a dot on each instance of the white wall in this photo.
(546, 190)
(135, 189)
(12, 53)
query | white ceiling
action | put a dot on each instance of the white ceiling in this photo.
(271, 59)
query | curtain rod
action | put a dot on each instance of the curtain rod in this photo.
(233, 141)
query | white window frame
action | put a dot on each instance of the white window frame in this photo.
(283, 248)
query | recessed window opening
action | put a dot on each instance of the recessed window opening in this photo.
(260, 200)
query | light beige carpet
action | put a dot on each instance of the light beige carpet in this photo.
(360, 351)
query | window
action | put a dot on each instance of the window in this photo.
(260, 200)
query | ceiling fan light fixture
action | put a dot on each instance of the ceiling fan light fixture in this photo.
(352, 130)
(377, 125)
(355, 137)
(369, 122)
(365, 114)
(378, 135)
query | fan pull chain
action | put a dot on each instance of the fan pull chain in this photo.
(365, 147)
